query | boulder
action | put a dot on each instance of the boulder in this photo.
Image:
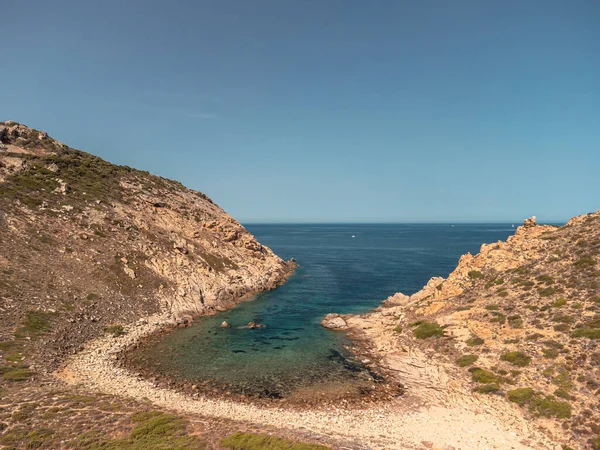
(225, 324)
(334, 322)
(531, 222)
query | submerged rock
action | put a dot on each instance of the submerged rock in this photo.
(334, 322)
(225, 324)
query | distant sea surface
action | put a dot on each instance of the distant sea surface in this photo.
(343, 269)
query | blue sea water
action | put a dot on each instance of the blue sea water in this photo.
(342, 268)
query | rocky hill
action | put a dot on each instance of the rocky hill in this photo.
(88, 248)
(86, 245)
(520, 321)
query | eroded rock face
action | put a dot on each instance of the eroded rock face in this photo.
(334, 322)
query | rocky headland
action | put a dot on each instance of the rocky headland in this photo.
(518, 323)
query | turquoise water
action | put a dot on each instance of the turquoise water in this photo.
(344, 269)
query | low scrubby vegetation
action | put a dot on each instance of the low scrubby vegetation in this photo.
(251, 441)
(425, 329)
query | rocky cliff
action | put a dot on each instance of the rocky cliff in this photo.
(87, 246)
(520, 321)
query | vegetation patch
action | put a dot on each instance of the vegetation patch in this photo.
(426, 330)
(474, 341)
(115, 329)
(15, 372)
(585, 262)
(590, 333)
(515, 321)
(483, 376)
(521, 396)
(251, 441)
(475, 275)
(550, 353)
(550, 407)
(559, 302)
(547, 292)
(487, 388)
(518, 359)
(466, 360)
(35, 324)
(153, 430)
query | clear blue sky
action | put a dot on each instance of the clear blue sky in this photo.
(324, 110)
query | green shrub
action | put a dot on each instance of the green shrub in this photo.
(585, 262)
(559, 302)
(487, 388)
(492, 307)
(518, 359)
(474, 341)
(590, 333)
(499, 318)
(483, 376)
(428, 329)
(547, 292)
(563, 318)
(521, 396)
(550, 353)
(251, 441)
(550, 407)
(475, 275)
(546, 279)
(115, 329)
(533, 336)
(515, 321)
(35, 324)
(16, 373)
(153, 430)
(466, 360)
(562, 393)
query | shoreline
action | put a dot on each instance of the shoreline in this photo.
(484, 422)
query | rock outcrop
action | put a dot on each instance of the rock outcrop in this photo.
(334, 322)
(521, 320)
(85, 238)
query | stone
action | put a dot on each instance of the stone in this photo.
(225, 324)
(334, 322)
(531, 222)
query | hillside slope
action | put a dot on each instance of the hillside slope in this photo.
(520, 320)
(86, 246)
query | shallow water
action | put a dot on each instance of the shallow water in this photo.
(344, 269)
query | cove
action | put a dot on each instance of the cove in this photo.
(343, 269)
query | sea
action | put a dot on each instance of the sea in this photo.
(343, 268)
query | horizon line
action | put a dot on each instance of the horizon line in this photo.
(519, 222)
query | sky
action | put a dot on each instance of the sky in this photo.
(324, 110)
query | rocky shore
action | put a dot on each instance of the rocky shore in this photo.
(486, 423)
(516, 323)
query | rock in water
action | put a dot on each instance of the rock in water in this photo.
(334, 322)
(225, 324)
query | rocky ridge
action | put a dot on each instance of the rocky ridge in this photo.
(87, 246)
(518, 321)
